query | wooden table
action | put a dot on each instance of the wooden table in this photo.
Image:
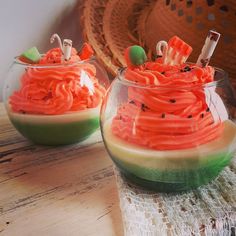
(68, 190)
(71, 190)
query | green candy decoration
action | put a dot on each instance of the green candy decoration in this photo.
(31, 55)
(135, 56)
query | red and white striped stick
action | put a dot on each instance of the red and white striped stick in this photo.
(208, 48)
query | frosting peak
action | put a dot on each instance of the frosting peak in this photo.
(58, 90)
(54, 55)
(176, 117)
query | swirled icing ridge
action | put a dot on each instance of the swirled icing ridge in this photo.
(169, 111)
(56, 89)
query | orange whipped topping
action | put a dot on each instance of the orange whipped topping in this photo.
(170, 112)
(57, 89)
(54, 55)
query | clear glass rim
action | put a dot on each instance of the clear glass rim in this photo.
(56, 65)
(121, 78)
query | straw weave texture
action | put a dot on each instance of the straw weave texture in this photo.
(112, 25)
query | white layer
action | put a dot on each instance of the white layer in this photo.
(134, 154)
(47, 119)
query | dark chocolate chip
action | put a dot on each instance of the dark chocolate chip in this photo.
(131, 102)
(163, 115)
(190, 116)
(202, 115)
(186, 69)
(172, 100)
(163, 72)
(208, 109)
(144, 107)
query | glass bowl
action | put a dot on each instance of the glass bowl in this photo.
(55, 104)
(169, 138)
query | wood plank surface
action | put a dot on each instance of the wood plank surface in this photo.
(67, 190)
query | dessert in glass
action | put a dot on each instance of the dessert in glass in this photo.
(167, 123)
(55, 98)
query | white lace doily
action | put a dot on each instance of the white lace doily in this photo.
(209, 210)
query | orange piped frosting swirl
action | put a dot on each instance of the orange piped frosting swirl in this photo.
(52, 90)
(54, 55)
(169, 110)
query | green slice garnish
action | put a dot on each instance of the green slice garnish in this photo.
(31, 55)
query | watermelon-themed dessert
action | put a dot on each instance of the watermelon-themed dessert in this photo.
(171, 130)
(55, 98)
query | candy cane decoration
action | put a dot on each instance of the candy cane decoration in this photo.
(56, 37)
(65, 47)
(161, 48)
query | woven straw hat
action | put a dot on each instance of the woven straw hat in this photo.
(112, 25)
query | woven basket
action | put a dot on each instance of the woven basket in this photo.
(112, 25)
(191, 20)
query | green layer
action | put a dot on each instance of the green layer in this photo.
(172, 170)
(173, 180)
(57, 133)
